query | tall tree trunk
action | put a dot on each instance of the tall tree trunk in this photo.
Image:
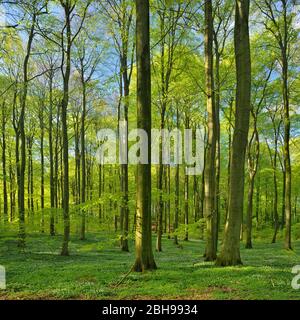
(21, 158)
(283, 198)
(218, 141)
(229, 156)
(100, 191)
(124, 168)
(273, 159)
(252, 168)
(51, 160)
(177, 190)
(28, 177)
(143, 244)
(196, 198)
(31, 177)
(257, 205)
(42, 170)
(275, 203)
(5, 202)
(166, 64)
(266, 200)
(210, 165)
(230, 254)
(165, 202)
(65, 141)
(83, 158)
(201, 213)
(162, 127)
(169, 200)
(12, 192)
(249, 212)
(56, 162)
(160, 201)
(287, 158)
(186, 207)
(295, 209)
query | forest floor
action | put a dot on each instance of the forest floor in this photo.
(96, 265)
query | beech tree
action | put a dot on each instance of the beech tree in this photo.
(72, 72)
(210, 163)
(143, 241)
(67, 39)
(230, 253)
(280, 23)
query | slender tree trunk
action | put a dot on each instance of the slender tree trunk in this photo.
(31, 177)
(266, 201)
(166, 64)
(124, 168)
(42, 170)
(201, 214)
(287, 158)
(169, 200)
(12, 192)
(77, 191)
(83, 158)
(196, 198)
(100, 191)
(21, 159)
(283, 199)
(103, 189)
(5, 202)
(165, 202)
(162, 127)
(295, 209)
(275, 206)
(218, 143)
(274, 166)
(186, 207)
(56, 165)
(51, 159)
(229, 157)
(65, 141)
(210, 211)
(177, 191)
(250, 212)
(252, 168)
(160, 201)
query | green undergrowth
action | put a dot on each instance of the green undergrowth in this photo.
(96, 265)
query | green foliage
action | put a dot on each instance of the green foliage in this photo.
(97, 264)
